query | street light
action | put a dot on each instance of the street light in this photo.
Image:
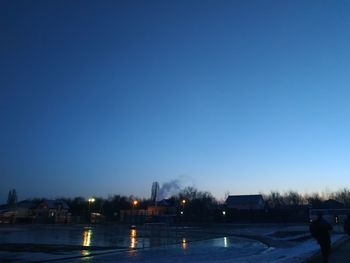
(183, 202)
(134, 204)
(90, 201)
(224, 217)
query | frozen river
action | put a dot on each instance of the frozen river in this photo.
(156, 243)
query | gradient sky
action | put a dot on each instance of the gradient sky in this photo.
(105, 97)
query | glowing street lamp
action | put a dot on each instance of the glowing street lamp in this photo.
(134, 204)
(224, 217)
(91, 200)
(183, 202)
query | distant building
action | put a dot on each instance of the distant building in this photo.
(162, 208)
(162, 211)
(52, 211)
(329, 204)
(332, 211)
(96, 218)
(22, 212)
(25, 211)
(245, 202)
(7, 215)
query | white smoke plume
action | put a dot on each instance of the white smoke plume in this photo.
(169, 189)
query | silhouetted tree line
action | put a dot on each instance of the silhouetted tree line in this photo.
(109, 207)
(199, 205)
(292, 198)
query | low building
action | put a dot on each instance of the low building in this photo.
(52, 211)
(245, 202)
(332, 211)
(7, 215)
(25, 211)
(162, 211)
(21, 212)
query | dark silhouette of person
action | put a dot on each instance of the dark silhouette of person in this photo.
(347, 225)
(320, 230)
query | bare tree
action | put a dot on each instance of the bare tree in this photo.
(292, 198)
(274, 199)
(12, 198)
(342, 196)
(314, 199)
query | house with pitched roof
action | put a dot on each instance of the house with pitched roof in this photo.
(52, 211)
(245, 202)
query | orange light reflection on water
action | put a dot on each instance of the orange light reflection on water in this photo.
(133, 240)
(86, 241)
(184, 244)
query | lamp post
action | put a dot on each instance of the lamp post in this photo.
(182, 212)
(91, 200)
(134, 204)
(183, 202)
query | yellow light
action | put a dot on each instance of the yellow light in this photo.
(87, 237)
(133, 240)
(91, 200)
(133, 233)
(135, 202)
(184, 244)
(183, 201)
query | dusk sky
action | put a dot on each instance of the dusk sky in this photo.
(105, 97)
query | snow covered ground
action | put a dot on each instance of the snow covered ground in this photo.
(216, 243)
(235, 250)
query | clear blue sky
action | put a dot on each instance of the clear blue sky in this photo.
(105, 97)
